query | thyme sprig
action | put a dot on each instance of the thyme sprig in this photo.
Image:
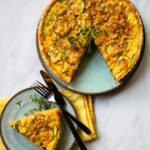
(42, 104)
(88, 34)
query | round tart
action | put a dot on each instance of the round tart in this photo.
(68, 27)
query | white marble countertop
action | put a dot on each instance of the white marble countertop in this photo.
(123, 118)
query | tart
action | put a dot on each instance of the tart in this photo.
(67, 28)
(41, 128)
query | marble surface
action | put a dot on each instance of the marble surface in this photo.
(123, 117)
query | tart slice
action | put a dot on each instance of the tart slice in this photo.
(41, 128)
(121, 38)
(60, 45)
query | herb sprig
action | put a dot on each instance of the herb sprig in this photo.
(42, 104)
(88, 34)
(74, 41)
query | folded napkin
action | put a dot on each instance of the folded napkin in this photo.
(84, 109)
(3, 102)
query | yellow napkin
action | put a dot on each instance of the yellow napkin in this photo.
(83, 106)
(3, 102)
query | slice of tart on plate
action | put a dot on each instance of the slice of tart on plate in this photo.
(41, 128)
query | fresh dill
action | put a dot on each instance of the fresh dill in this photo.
(74, 41)
(71, 40)
(88, 34)
(42, 104)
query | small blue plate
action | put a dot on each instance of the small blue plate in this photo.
(22, 104)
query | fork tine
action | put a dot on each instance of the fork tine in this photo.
(41, 84)
(39, 92)
(42, 89)
(36, 89)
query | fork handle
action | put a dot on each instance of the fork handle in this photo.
(73, 130)
(80, 125)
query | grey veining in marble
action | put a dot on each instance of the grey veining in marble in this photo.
(123, 118)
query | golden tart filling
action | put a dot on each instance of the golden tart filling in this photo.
(41, 128)
(68, 26)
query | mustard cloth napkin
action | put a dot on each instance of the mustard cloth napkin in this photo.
(3, 102)
(84, 109)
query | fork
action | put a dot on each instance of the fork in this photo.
(45, 92)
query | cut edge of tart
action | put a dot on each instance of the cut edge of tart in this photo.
(120, 64)
(41, 128)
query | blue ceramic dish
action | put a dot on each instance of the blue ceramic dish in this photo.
(22, 104)
(93, 75)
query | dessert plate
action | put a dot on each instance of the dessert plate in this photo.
(22, 104)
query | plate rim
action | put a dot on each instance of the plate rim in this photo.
(3, 111)
(121, 82)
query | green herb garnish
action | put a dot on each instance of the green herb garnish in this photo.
(42, 104)
(71, 40)
(32, 111)
(87, 33)
(74, 41)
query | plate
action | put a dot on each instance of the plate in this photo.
(22, 104)
(93, 75)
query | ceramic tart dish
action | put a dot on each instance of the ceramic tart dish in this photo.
(67, 27)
